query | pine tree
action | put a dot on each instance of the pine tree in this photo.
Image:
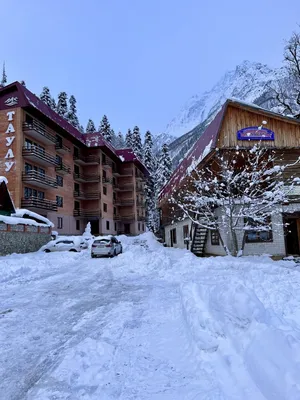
(81, 129)
(46, 97)
(90, 128)
(104, 128)
(128, 139)
(62, 105)
(148, 152)
(113, 137)
(53, 104)
(164, 170)
(137, 142)
(4, 77)
(120, 143)
(72, 114)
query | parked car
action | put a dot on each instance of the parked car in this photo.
(65, 244)
(108, 246)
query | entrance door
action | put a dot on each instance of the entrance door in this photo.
(126, 229)
(292, 236)
(94, 227)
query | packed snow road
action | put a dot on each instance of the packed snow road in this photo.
(153, 323)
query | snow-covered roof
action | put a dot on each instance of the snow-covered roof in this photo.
(3, 180)
(21, 212)
(11, 220)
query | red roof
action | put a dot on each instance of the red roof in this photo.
(204, 146)
(28, 99)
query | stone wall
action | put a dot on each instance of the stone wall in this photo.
(22, 238)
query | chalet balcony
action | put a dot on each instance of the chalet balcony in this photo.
(86, 195)
(37, 179)
(42, 204)
(63, 169)
(87, 213)
(38, 156)
(86, 160)
(61, 148)
(126, 218)
(86, 178)
(107, 164)
(123, 202)
(38, 131)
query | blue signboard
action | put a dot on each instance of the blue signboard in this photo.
(255, 133)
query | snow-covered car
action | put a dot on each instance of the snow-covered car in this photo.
(65, 244)
(106, 246)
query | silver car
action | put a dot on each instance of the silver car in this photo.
(65, 244)
(108, 246)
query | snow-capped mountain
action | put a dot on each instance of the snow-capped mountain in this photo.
(249, 82)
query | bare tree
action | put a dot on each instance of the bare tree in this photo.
(245, 185)
(286, 92)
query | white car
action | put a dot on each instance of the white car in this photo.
(65, 244)
(106, 246)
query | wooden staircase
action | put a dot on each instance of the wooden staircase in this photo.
(199, 240)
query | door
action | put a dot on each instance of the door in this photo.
(126, 229)
(95, 227)
(292, 236)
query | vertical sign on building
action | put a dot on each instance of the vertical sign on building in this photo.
(10, 132)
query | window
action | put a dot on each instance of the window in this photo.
(59, 201)
(214, 237)
(104, 190)
(104, 175)
(59, 180)
(29, 119)
(103, 158)
(115, 211)
(115, 226)
(107, 225)
(143, 227)
(114, 181)
(76, 152)
(259, 233)
(28, 192)
(77, 225)
(59, 223)
(76, 187)
(41, 195)
(139, 226)
(104, 207)
(58, 159)
(185, 231)
(114, 196)
(76, 170)
(173, 236)
(76, 205)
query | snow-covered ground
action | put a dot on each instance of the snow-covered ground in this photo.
(153, 323)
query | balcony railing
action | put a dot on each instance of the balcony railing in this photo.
(123, 202)
(34, 202)
(124, 187)
(39, 131)
(63, 169)
(90, 159)
(86, 178)
(87, 213)
(37, 179)
(38, 155)
(61, 148)
(128, 217)
(86, 196)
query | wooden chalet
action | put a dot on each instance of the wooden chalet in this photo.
(236, 125)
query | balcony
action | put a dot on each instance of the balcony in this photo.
(126, 172)
(86, 178)
(141, 218)
(87, 213)
(107, 164)
(86, 196)
(38, 156)
(86, 160)
(124, 187)
(127, 218)
(124, 202)
(43, 204)
(39, 132)
(61, 148)
(106, 180)
(63, 169)
(37, 179)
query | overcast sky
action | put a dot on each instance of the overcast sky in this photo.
(138, 61)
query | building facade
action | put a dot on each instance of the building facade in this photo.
(238, 126)
(68, 177)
